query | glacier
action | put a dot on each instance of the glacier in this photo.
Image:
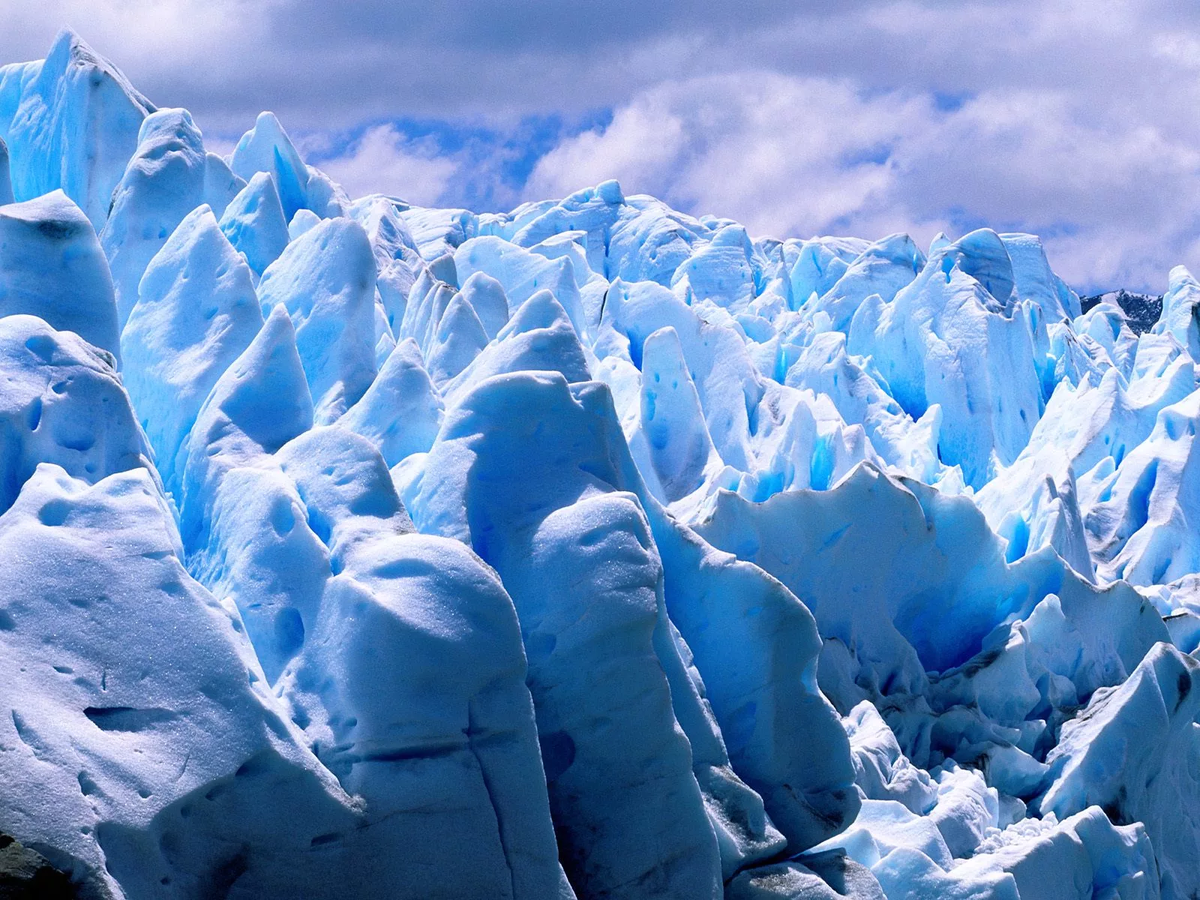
(353, 548)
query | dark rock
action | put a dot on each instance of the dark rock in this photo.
(27, 875)
(1141, 310)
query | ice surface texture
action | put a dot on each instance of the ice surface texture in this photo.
(358, 549)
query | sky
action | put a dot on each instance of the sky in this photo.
(1078, 120)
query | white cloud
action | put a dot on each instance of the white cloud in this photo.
(1077, 113)
(795, 156)
(385, 161)
(764, 148)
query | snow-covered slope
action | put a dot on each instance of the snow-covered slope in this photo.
(357, 549)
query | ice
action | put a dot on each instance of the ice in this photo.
(274, 576)
(1034, 280)
(220, 184)
(6, 193)
(590, 549)
(1179, 316)
(881, 269)
(581, 526)
(196, 313)
(941, 341)
(120, 668)
(1054, 639)
(62, 403)
(437, 232)
(725, 380)
(826, 367)
(108, 705)
(591, 211)
(412, 684)
(231, 486)
(681, 451)
(883, 826)
(757, 752)
(254, 223)
(486, 296)
(401, 411)
(745, 834)
(267, 148)
(649, 241)
(820, 877)
(257, 405)
(325, 279)
(723, 272)
(304, 220)
(538, 338)
(1140, 520)
(71, 121)
(966, 808)
(444, 269)
(324, 196)
(906, 872)
(902, 535)
(388, 232)
(164, 181)
(416, 312)
(459, 338)
(1132, 753)
(814, 266)
(522, 274)
(52, 267)
(881, 770)
(782, 736)
(1085, 854)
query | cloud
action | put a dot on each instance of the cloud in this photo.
(465, 164)
(337, 65)
(1072, 118)
(786, 155)
(385, 161)
(796, 156)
